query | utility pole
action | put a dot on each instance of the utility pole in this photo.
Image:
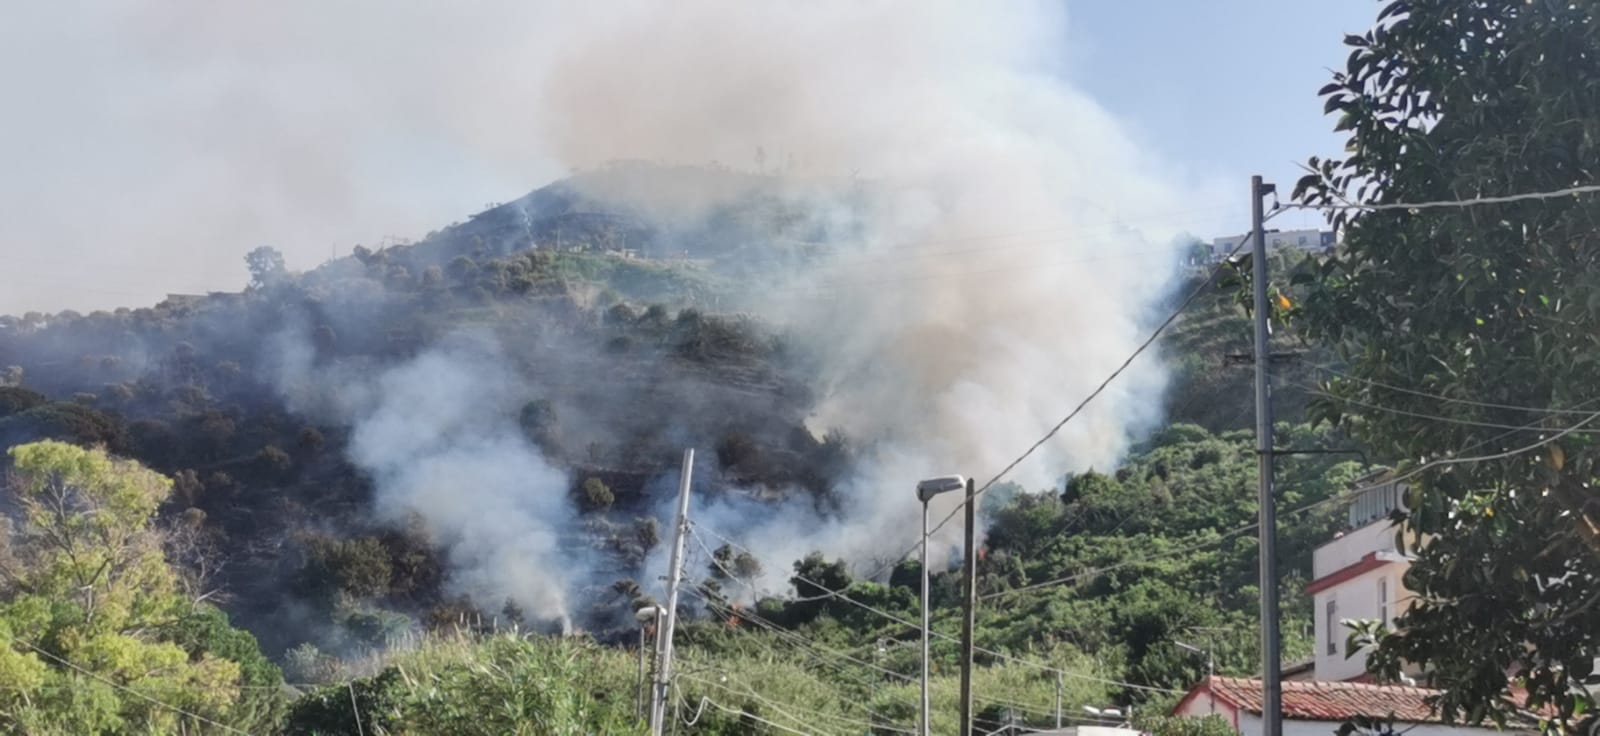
(1271, 685)
(669, 619)
(969, 605)
(638, 708)
(1058, 701)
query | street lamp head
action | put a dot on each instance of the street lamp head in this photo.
(1188, 647)
(647, 614)
(934, 486)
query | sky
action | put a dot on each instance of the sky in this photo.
(150, 145)
(1223, 88)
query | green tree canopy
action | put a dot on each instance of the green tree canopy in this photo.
(1451, 319)
(98, 639)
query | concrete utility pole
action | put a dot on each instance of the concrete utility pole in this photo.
(658, 694)
(649, 619)
(1271, 685)
(969, 606)
(1058, 701)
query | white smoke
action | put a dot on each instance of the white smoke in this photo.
(1016, 244)
(439, 437)
(1012, 259)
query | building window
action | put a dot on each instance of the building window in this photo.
(1383, 601)
(1332, 619)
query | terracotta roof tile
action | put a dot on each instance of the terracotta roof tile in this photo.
(1314, 700)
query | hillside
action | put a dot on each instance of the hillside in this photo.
(346, 452)
(611, 367)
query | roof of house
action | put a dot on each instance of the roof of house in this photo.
(1314, 700)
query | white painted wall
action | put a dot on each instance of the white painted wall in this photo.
(1204, 704)
(1310, 240)
(1345, 551)
(1361, 597)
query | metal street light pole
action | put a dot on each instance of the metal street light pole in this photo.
(926, 490)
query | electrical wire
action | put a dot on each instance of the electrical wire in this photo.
(840, 595)
(1466, 402)
(1421, 415)
(129, 690)
(751, 615)
(783, 709)
(1447, 203)
(1442, 462)
(1155, 334)
(809, 647)
(739, 712)
(898, 676)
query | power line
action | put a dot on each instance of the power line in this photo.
(1447, 399)
(902, 678)
(806, 645)
(840, 595)
(129, 690)
(1154, 335)
(1452, 203)
(740, 712)
(769, 625)
(778, 629)
(782, 708)
(1332, 499)
(1421, 415)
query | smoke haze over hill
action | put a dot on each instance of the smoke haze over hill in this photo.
(1007, 240)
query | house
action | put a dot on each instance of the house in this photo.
(1086, 731)
(1359, 574)
(1310, 241)
(1318, 708)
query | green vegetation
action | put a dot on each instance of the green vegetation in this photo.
(499, 684)
(98, 638)
(1448, 332)
(1462, 325)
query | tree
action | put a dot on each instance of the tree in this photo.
(14, 399)
(596, 495)
(1478, 310)
(91, 614)
(266, 266)
(732, 564)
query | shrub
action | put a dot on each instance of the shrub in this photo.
(596, 495)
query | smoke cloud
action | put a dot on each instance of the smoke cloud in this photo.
(1008, 254)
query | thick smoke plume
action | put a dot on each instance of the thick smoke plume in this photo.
(1009, 256)
(1006, 251)
(438, 435)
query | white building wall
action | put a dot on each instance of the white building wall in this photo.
(1376, 594)
(1205, 704)
(1306, 240)
(1347, 550)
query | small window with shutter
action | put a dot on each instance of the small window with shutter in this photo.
(1383, 601)
(1332, 622)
